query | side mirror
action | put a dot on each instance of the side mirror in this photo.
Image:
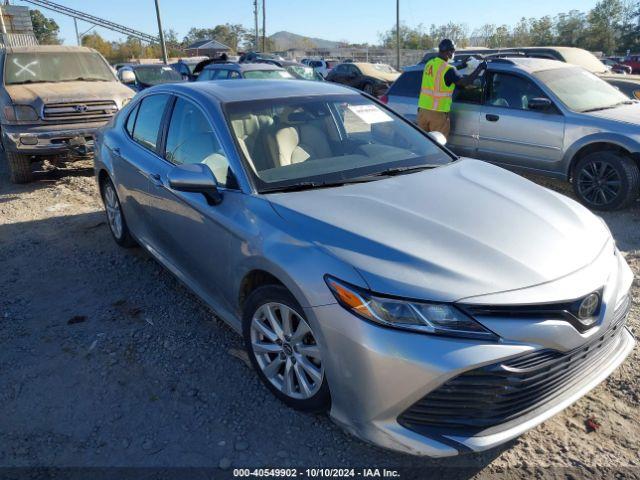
(127, 77)
(438, 137)
(539, 103)
(195, 177)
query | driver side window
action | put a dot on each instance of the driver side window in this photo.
(190, 139)
(511, 91)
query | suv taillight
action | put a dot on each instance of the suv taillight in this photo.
(384, 99)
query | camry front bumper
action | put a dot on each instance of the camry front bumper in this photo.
(376, 375)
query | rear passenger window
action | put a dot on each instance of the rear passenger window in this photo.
(131, 121)
(148, 120)
(407, 85)
(191, 140)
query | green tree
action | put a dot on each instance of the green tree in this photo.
(541, 31)
(571, 28)
(45, 29)
(521, 34)
(94, 40)
(605, 22)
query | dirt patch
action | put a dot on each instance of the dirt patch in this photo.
(107, 360)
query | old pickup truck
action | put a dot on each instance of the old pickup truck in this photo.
(52, 100)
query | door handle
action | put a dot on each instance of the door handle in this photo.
(492, 118)
(156, 179)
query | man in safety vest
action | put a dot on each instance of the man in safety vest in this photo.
(439, 80)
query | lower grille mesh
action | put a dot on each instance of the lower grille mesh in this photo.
(495, 394)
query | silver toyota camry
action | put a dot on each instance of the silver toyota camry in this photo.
(434, 305)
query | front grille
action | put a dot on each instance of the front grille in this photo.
(84, 111)
(492, 396)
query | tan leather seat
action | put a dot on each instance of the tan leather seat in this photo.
(299, 141)
(250, 131)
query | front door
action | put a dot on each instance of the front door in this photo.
(194, 236)
(513, 134)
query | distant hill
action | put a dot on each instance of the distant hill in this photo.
(285, 40)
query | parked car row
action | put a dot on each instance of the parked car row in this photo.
(435, 305)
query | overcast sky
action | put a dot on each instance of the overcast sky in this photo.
(353, 20)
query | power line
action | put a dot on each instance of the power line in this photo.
(77, 14)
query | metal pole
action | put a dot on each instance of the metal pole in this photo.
(165, 60)
(398, 34)
(255, 17)
(264, 27)
(75, 24)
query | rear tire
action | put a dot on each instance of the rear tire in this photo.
(115, 215)
(283, 349)
(19, 167)
(606, 180)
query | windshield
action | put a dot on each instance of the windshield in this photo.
(262, 74)
(319, 141)
(302, 72)
(580, 90)
(156, 75)
(382, 67)
(584, 59)
(38, 67)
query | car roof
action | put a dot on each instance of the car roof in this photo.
(48, 49)
(255, 90)
(242, 67)
(526, 64)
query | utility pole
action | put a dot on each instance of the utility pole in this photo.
(75, 24)
(264, 26)
(165, 60)
(398, 35)
(255, 17)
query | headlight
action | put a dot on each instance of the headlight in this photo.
(20, 113)
(423, 317)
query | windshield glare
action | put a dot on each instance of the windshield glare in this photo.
(302, 72)
(580, 90)
(55, 67)
(157, 75)
(331, 139)
(271, 74)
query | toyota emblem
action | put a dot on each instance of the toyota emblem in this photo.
(588, 307)
(80, 108)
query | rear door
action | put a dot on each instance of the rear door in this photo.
(465, 118)
(403, 94)
(132, 161)
(514, 135)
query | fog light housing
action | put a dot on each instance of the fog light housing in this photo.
(28, 139)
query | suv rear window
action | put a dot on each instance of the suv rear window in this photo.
(407, 85)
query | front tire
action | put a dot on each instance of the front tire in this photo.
(19, 167)
(283, 349)
(606, 180)
(115, 215)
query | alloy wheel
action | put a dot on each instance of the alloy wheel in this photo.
(286, 350)
(112, 206)
(599, 183)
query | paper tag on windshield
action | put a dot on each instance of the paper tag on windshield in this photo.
(370, 114)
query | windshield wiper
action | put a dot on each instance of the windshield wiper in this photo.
(390, 172)
(86, 79)
(597, 109)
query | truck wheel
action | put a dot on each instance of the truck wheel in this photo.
(19, 167)
(606, 180)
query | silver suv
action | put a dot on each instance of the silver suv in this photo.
(547, 117)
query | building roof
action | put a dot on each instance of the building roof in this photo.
(208, 44)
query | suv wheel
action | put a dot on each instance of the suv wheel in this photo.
(606, 180)
(115, 216)
(19, 167)
(283, 349)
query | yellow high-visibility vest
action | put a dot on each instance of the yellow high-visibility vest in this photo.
(434, 93)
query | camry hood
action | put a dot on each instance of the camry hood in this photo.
(623, 113)
(62, 92)
(461, 230)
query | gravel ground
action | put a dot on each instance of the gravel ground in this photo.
(108, 361)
